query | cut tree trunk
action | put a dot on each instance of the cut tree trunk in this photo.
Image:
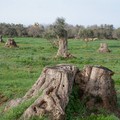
(62, 50)
(10, 43)
(63, 47)
(103, 48)
(97, 87)
(51, 92)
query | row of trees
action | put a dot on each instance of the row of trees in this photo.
(47, 31)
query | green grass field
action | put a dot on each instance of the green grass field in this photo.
(20, 68)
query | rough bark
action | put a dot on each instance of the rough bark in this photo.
(63, 47)
(54, 85)
(97, 87)
(10, 43)
(62, 50)
(52, 89)
(103, 48)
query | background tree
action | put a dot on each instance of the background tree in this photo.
(116, 33)
(71, 30)
(35, 30)
(103, 31)
(21, 30)
(50, 35)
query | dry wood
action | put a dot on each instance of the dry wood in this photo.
(63, 47)
(103, 48)
(55, 84)
(52, 89)
(62, 51)
(10, 43)
(97, 87)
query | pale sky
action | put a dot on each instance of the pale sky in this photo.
(81, 12)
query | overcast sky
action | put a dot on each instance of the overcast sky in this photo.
(82, 12)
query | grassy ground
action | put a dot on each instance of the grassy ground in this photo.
(20, 67)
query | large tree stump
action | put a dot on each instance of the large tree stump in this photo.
(51, 90)
(103, 48)
(97, 87)
(10, 43)
(50, 93)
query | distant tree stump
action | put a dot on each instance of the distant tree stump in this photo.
(55, 85)
(97, 87)
(62, 50)
(1, 39)
(63, 46)
(103, 48)
(10, 43)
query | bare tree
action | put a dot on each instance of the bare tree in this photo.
(35, 30)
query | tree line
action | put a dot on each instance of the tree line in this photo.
(104, 31)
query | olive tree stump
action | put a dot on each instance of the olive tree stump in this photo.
(62, 50)
(51, 92)
(63, 46)
(97, 87)
(10, 43)
(103, 48)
